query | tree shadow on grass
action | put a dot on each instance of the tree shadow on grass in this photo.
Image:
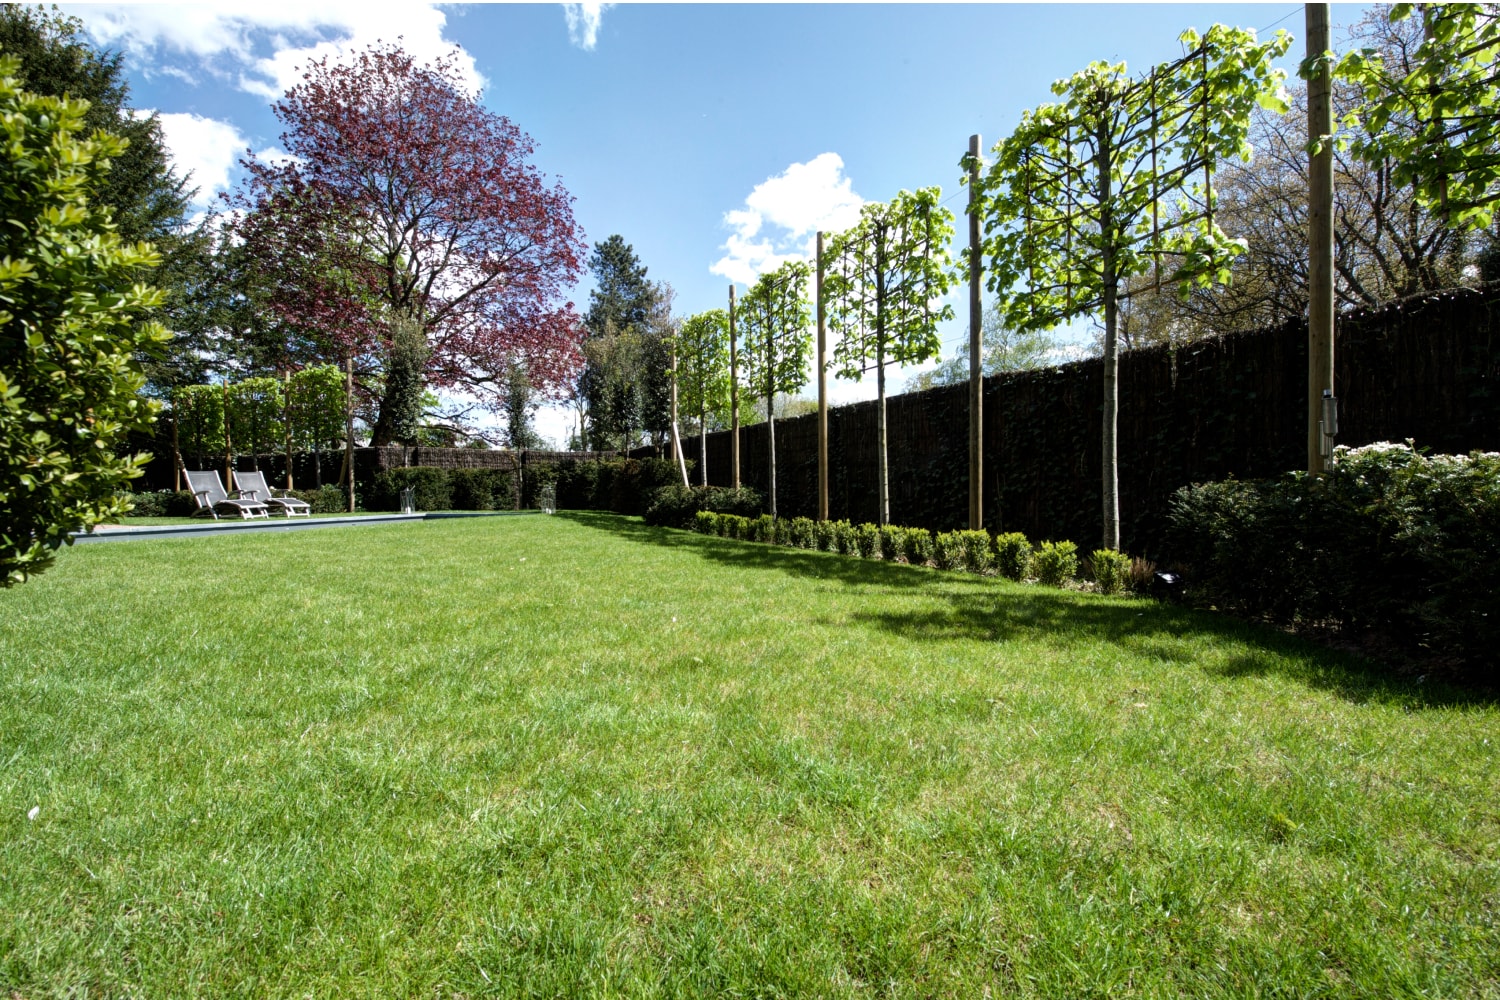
(985, 610)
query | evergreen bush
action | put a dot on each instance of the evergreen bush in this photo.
(1056, 563)
(1013, 556)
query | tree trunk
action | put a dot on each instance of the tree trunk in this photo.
(1110, 477)
(286, 423)
(884, 513)
(771, 403)
(771, 444)
(703, 444)
(885, 482)
(676, 435)
(734, 397)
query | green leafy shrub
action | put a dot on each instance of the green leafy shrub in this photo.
(674, 506)
(538, 476)
(1013, 556)
(802, 532)
(948, 550)
(481, 489)
(329, 499)
(706, 522)
(73, 319)
(736, 527)
(1388, 538)
(1110, 570)
(432, 488)
(867, 541)
(916, 546)
(891, 541)
(577, 484)
(763, 529)
(1056, 563)
(843, 538)
(742, 500)
(823, 536)
(148, 504)
(976, 550)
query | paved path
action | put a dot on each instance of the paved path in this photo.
(121, 532)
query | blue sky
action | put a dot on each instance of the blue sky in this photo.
(715, 138)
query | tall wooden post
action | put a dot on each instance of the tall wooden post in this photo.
(734, 394)
(771, 404)
(286, 422)
(976, 349)
(822, 392)
(1319, 237)
(349, 426)
(176, 450)
(228, 444)
(676, 436)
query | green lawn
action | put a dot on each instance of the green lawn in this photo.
(573, 756)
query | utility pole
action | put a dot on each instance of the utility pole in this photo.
(976, 347)
(1320, 246)
(822, 392)
(734, 394)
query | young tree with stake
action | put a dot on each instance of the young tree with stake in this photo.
(703, 373)
(884, 283)
(775, 329)
(1116, 181)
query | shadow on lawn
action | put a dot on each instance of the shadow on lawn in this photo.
(976, 608)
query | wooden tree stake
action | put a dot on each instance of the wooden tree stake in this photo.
(976, 347)
(822, 392)
(1319, 238)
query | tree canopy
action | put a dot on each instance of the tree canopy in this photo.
(403, 196)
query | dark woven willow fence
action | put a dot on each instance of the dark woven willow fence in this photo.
(1426, 368)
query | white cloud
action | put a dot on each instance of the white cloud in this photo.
(583, 23)
(207, 151)
(229, 41)
(786, 212)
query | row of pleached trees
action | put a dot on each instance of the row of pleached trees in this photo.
(1105, 195)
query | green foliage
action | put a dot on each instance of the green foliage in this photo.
(482, 489)
(916, 546)
(255, 413)
(948, 550)
(432, 489)
(976, 550)
(802, 532)
(1056, 563)
(825, 536)
(328, 499)
(884, 282)
(145, 197)
(706, 522)
(867, 541)
(1074, 184)
(316, 401)
(1433, 120)
(401, 405)
(703, 364)
(845, 542)
(773, 323)
(1388, 539)
(1013, 556)
(71, 312)
(1110, 570)
(676, 505)
(199, 412)
(891, 539)
(762, 529)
